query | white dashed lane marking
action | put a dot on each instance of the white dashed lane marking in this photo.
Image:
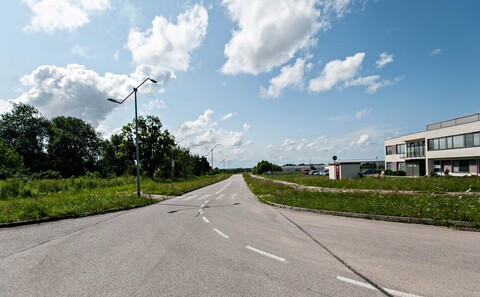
(266, 254)
(221, 233)
(206, 220)
(369, 286)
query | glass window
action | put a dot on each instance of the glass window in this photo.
(430, 145)
(469, 140)
(443, 143)
(401, 166)
(476, 139)
(400, 149)
(388, 150)
(449, 142)
(459, 141)
(389, 166)
(464, 165)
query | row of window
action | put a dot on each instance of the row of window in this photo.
(457, 141)
(417, 148)
(457, 166)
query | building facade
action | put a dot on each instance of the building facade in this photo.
(452, 145)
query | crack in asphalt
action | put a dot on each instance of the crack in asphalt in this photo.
(337, 257)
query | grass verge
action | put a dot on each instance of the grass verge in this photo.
(440, 208)
(427, 184)
(46, 199)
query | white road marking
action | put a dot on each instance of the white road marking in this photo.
(220, 197)
(223, 189)
(221, 233)
(266, 254)
(368, 286)
(234, 196)
(203, 205)
(206, 220)
(190, 198)
(204, 197)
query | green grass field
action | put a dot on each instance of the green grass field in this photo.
(422, 184)
(422, 205)
(24, 200)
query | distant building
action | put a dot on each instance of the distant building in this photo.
(452, 145)
(303, 168)
(343, 170)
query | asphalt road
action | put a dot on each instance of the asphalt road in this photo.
(220, 241)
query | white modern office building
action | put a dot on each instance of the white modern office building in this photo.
(452, 145)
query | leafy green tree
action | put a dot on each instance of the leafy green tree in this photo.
(113, 161)
(265, 166)
(27, 132)
(74, 146)
(10, 161)
(156, 146)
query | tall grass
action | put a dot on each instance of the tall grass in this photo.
(422, 205)
(22, 200)
(422, 184)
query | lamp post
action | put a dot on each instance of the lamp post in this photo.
(211, 151)
(137, 150)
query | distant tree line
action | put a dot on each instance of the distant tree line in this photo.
(265, 167)
(67, 146)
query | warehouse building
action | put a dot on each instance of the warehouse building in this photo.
(451, 146)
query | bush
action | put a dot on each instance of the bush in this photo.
(400, 173)
(388, 172)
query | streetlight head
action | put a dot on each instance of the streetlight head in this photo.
(152, 80)
(114, 100)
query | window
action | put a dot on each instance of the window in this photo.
(401, 166)
(389, 166)
(461, 166)
(476, 139)
(469, 140)
(388, 150)
(400, 149)
(449, 142)
(442, 143)
(459, 141)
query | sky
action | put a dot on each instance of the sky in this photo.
(287, 81)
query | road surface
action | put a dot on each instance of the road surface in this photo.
(220, 241)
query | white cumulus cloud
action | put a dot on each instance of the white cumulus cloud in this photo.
(79, 92)
(290, 76)
(52, 15)
(373, 82)
(269, 33)
(335, 72)
(168, 45)
(384, 60)
(204, 132)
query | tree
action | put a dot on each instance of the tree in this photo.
(74, 147)
(265, 166)
(112, 161)
(27, 132)
(156, 146)
(10, 161)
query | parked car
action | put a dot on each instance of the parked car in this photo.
(312, 172)
(324, 173)
(370, 171)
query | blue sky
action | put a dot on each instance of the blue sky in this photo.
(289, 81)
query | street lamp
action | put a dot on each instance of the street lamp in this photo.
(211, 151)
(137, 150)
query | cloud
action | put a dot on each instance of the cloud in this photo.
(372, 82)
(265, 37)
(335, 72)
(80, 51)
(384, 60)
(290, 76)
(203, 133)
(227, 116)
(79, 92)
(167, 45)
(363, 140)
(246, 127)
(436, 51)
(52, 15)
(362, 113)
(271, 32)
(154, 105)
